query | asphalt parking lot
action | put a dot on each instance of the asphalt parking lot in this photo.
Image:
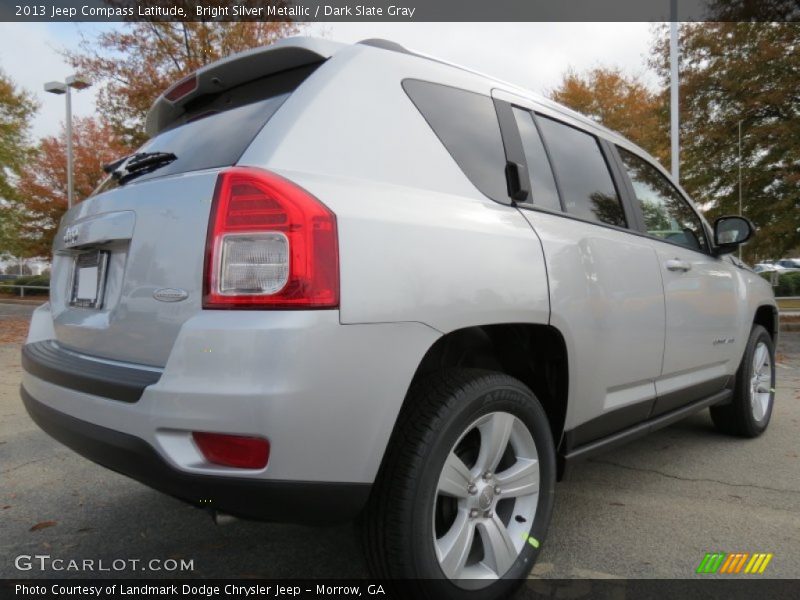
(651, 509)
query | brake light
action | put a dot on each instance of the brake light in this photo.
(183, 88)
(238, 451)
(270, 245)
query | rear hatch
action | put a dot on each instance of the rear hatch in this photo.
(128, 261)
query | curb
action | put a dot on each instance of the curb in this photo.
(36, 302)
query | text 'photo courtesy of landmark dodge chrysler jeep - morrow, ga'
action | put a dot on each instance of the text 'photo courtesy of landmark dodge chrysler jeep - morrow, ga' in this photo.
(354, 282)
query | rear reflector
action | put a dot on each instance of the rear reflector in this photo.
(238, 451)
(270, 245)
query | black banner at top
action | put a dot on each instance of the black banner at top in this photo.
(400, 10)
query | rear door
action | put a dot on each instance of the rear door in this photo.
(701, 291)
(606, 294)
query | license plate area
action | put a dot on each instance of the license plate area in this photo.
(89, 279)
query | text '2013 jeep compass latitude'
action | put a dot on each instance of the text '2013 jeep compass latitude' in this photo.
(349, 281)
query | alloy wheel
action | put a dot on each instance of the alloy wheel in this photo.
(486, 500)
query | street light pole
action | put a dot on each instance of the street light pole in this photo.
(673, 88)
(740, 179)
(70, 187)
(56, 87)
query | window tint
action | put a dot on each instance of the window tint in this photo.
(586, 185)
(217, 129)
(543, 184)
(667, 215)
(466, 123)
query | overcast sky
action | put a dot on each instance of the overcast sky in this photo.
(533, 55)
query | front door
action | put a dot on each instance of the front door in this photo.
(700, 291)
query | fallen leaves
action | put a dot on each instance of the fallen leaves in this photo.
(13, 330)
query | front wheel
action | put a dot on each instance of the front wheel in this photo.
(464, 498)
(749, 412)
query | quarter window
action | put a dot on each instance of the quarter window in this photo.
(466, 123)
(543, 184)
(667, 215)
(585, 182)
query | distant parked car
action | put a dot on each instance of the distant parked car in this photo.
(788, 264)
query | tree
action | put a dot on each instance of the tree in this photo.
(18, 268)
(748, 73)
(42, 193)
(135, 64)
(16, 109)
(619, 102)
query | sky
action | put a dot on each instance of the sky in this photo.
(533, 55)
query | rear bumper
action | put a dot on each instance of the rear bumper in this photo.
(74, 371)
(294, 501)
(325, 395)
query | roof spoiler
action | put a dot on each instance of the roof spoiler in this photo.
(234, 71)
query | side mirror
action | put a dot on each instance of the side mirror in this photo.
(730, 233)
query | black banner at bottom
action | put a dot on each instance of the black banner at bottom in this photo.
(733, 588)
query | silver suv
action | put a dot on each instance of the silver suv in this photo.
(349, 281)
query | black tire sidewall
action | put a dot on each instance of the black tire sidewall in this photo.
(491, 393)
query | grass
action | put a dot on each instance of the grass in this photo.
(786, 304)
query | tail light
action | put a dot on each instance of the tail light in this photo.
(238, 451)
(270, 245)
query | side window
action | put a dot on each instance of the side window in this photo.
(586, 185)
(466, 123)
(667, 215)
(543, 184)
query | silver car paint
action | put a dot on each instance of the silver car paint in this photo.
(443, 243)
(277, 374)
(607, 302)
(422, 252)
(155, 232)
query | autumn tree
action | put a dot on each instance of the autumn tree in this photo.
(17, 107)
(41, 189)
(748, 73)
(620, 102)
(136, 63)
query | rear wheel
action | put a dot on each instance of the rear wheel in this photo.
(465, 494)
(749, 413)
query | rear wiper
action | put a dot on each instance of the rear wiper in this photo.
(128, 167)
(113, 166)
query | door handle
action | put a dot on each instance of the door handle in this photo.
(675, 264)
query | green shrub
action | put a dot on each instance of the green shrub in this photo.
(30, 280)
(788, 284)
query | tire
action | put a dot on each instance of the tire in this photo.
(748, 414)
(449, 417)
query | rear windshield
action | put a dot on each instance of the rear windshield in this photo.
(217, 130)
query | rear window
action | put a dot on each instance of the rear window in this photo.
(216, 130)
(466, 123)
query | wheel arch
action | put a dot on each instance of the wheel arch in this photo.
(536, 354)
(766, 315)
